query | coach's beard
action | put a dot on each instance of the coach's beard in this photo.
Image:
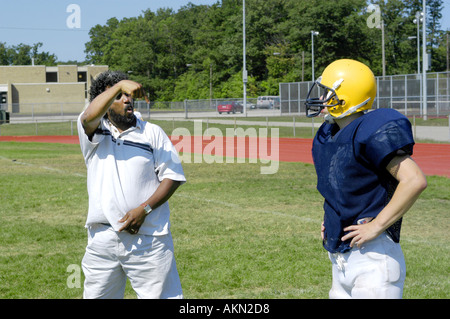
(122, 122)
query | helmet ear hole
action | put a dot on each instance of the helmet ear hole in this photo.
(337, 102)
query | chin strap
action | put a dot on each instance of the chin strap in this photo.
(329, 119)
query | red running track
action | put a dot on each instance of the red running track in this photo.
(433, 159)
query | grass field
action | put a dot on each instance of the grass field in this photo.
(237, 233)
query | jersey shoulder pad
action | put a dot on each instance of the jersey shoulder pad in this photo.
(381, 133)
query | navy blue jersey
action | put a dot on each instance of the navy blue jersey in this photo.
(351, 170)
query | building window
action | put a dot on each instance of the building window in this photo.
(3, 98)
(82, 77)
(51, 76)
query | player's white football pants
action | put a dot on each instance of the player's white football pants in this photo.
(111, 257)
(376, 270)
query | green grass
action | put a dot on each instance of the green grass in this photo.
(237, 233)
(431, 121)
(58, 128)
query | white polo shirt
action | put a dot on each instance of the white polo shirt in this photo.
(124, 170)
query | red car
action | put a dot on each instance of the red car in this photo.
(231, 107)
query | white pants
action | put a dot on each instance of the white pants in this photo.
(148, 261)
(376, 270)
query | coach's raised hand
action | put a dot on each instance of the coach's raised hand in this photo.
(134, 89)
(99, 106)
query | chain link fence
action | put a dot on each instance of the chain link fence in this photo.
(188, 106)
(400, 92)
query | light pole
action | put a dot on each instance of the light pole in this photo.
(424, 63)
(383, 58)
(210, 86)
(313, 33)
(417, 21)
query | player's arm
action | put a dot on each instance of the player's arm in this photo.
(411, 183)
(97, 108)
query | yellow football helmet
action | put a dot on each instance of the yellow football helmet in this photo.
(348, 87)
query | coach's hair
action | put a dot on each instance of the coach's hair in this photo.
(104, 80)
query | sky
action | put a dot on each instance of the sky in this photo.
(64, 29)
(46, 21)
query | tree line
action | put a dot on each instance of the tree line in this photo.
(182, 54)
(24, 54)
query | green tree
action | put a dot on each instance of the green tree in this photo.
(23, 54)
(173, 52)
(100, 37)
(4, 55)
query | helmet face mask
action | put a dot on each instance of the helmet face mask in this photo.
(328, 98)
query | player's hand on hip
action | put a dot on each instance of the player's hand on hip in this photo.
(360, 234)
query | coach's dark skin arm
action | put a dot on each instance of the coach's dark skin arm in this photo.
(99, 106)
(136, 217)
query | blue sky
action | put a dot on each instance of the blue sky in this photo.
(32, 21)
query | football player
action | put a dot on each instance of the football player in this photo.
(367, 178)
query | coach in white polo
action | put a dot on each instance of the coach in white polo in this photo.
(132, 170)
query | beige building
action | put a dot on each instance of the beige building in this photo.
(40, 90)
